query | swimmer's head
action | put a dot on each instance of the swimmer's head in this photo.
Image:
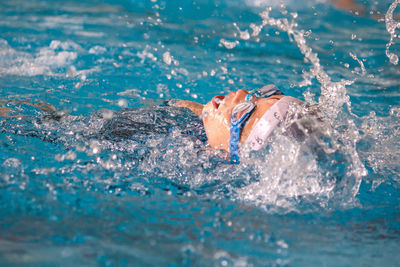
(217, 116)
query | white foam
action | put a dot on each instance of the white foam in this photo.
(286, 173)
(97, 50)
(44, 62)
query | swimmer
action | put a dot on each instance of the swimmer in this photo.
(242, 118)
(233, 123)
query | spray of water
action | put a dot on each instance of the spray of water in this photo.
(285, 174)
(363, 70)
(277, 185)
(391, 26)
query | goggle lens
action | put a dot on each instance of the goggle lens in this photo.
(241, 110)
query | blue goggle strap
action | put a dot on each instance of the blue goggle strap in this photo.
(236, 127)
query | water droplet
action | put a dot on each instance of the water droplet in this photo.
(394, 59)
(228, 44)
(122, 103)
(167, 58)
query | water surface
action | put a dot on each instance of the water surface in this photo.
(76, 190)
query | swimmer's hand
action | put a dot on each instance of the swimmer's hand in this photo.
(8, 112)
(195, 107)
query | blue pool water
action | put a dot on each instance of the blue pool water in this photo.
(74, 192)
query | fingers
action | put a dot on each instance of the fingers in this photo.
(195, 107)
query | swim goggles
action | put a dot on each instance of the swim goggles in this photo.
(240, 115)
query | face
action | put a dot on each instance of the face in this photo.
(216, 118)
(217, 115)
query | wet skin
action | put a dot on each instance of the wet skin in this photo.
(216, 116)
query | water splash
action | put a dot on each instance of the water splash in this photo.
(333, 94)
(244, 35)
(141, 144)
(228, 44)
(310, 179)
(380, 145)
(363, 70)
(294, 175)
(391, 26)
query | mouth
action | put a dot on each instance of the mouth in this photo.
(217, 100)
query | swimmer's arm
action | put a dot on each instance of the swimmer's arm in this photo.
(10, 113)
(195, 107)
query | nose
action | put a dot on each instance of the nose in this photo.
(240, 95)
(216, 100)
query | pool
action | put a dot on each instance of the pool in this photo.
(70, 195)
